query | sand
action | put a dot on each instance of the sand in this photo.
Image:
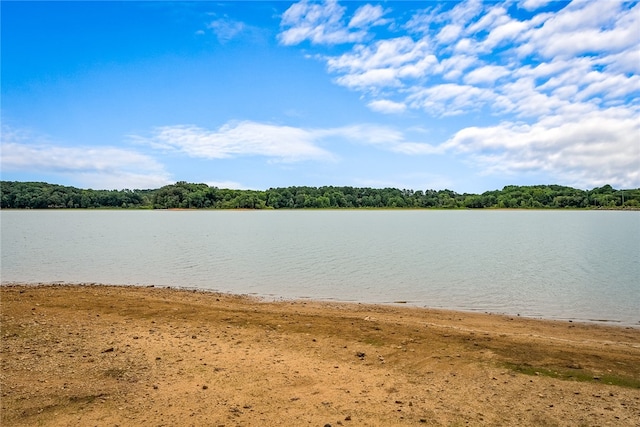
(124, 356)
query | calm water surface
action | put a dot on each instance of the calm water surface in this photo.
(582, 265)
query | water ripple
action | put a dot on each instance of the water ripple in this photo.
(573, 265)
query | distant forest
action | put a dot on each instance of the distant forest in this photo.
(183, 195)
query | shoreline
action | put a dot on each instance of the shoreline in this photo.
(132, 355)
(399, 303)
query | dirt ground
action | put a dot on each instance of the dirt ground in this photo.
(125, 356)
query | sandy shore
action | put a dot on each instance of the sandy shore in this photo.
(106, 356)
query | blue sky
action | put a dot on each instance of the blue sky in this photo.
(464, 95)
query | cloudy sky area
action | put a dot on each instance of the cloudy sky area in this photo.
(469, 96)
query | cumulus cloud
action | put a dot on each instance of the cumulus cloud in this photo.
(592, 149)
(367, 16)
(449, 99)
(319, 23)
(534, 4)
(385, 63)
(387, 107)
(426, 20)
(486, 74)
(562, 84)
(509, 31)
(463, 12)
(454, 67)
(585, 28)
(96, 167)
(325, 23)
(475, 44)
(576, 145)
(449, 33)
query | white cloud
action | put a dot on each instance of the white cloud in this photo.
(565, 84)
(453, 68)
(449, 33)
(523, 98)
(95, 167)
(486, 74)
(506, 32)
(461, 14)
(449, 99)
(495, 16)
(580, 145)
(385, 53)
(627, 61)
(579, 80)
(586, 27)
(387, 107)
(370, 79)
(411, 67)
(284, 143)
(318, 23)
(368, 15)
(383, 137)
(544, 70)
(418, 148)
(593, 149)
(386, 63)
(464, 11)
(534, 4)
(423, 20)
(466, 46)
(366, 134)
(608, 86)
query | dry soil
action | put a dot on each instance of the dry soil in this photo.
(88, 355)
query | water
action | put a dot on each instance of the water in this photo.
(580, 265)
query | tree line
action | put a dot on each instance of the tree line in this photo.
(184, 195)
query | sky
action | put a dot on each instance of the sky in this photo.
(462, 95)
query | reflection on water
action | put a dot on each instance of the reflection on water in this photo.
(557, 264)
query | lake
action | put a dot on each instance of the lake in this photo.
(574, 265)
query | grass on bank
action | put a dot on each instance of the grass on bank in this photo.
(571, 374)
